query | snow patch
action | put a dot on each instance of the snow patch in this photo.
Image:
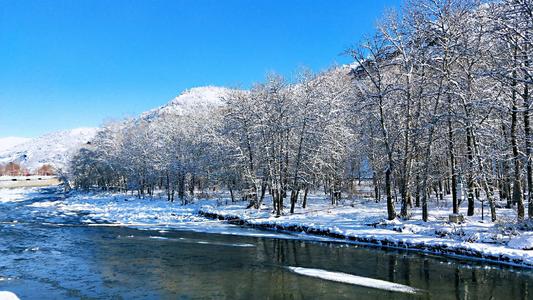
(522, 242)
(11, 141)
(5, 295)
(355, 280)
(192, 101)
(14, 195)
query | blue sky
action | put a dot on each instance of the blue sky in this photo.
(67, 64)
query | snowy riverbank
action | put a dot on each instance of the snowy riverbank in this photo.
(362, 221)
(365, 223)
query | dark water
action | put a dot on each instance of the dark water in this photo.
(48, 261)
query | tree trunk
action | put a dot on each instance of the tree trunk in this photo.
(484, 181)
(470, 178)
(375, 182)
(451, 153)
(231, 194)
(517, 186)
(277, 197)
(529, 151)
(417, 192)
(294, 197)
(391, 211)
(181, 187)
(304, 203)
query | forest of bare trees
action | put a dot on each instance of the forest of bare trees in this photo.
(436, 103)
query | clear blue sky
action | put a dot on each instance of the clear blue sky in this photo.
(76, 63)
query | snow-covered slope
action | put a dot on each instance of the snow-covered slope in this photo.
(11, 141)
(191, 101)
(54, 148)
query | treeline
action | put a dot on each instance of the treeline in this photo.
(14, 169)
(437, 102)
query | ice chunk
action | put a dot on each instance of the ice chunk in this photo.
(4, 295)
(355, 280)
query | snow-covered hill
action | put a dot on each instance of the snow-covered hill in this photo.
(11, 141)
(191, 101)
(54, 148)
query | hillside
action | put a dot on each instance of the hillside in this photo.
(189, 102)
(11, 141)
(53, 148)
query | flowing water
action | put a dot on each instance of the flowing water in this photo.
(45, 254)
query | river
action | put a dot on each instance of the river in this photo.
(45, 254)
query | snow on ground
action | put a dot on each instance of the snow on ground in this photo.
(125, 210)
(108, 209)
(11, 141)
(359, 221)
(523, 241)
(15, 195)
(365, 221)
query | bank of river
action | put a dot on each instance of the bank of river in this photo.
(419, 243)
(47, 253)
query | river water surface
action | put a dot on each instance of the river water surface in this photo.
(45, 254)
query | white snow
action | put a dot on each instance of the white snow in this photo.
(15, 195)
(5, 295)
(524, 242)
(355, 280)
(54, 148)
(11, 141)
(192, 101)
(126, 210)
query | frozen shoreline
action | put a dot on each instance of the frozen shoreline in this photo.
(359, 222)
(446, 247)
(364, 222)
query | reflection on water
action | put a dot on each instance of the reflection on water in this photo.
(50, 262)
